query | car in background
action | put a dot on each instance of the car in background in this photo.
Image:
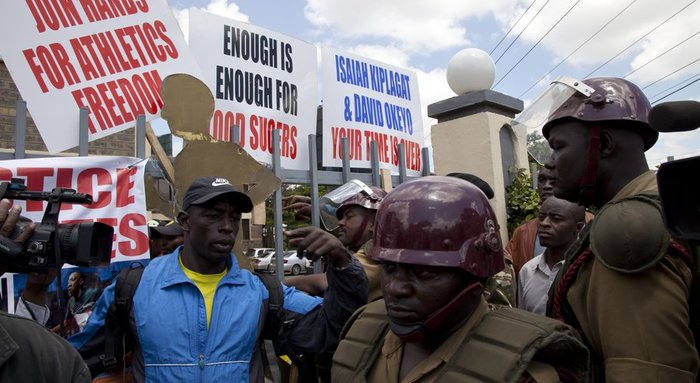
(258, 251)
(259, 257)
(292, 263)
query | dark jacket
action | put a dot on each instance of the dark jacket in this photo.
(30, 352)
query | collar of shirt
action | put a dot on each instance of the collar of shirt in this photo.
(173, 273)
(644, 183)
(34, 311)
(543, 267)
(393, 347)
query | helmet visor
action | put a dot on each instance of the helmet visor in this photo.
(329, 203)
(535, 116)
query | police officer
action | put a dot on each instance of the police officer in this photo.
(350, 209)
(438, 242)
(625, 284)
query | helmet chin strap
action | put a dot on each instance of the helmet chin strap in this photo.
(360, 231)
(588, 181)
(419, 331)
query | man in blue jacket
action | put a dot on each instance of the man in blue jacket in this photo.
(197, 315)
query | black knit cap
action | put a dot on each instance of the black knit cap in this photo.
(477, 181)
(206, 188)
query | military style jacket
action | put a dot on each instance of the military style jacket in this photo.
(491, 346)
(372, 269)
(628, 293)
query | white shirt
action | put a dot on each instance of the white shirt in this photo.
(31, 310)
(534, 281)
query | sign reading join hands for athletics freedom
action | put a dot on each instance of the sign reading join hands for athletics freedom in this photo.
(366, 100)
(107, 56)
(261, 81)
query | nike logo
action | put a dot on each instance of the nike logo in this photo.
(220, 182)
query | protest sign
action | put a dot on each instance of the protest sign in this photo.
(117, 189)
(107, 56)
(366, 100)
(261, 81)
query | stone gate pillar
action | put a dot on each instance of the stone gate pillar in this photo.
(473, 133)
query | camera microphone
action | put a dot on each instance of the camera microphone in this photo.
(675, 116)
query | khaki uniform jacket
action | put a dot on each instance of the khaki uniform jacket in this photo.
(636, 325)
(388, 362)
(373, 270)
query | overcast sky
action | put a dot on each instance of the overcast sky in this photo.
(655, 44)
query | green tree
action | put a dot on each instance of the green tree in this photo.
(522, 201)
(288, 217)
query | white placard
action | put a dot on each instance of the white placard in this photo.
(115, 184)
(366, 100)
(107, 56)
(261, 80)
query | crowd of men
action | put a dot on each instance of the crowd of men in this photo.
(403, 294)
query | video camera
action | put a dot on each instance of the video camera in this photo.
(679, 181)
(83, 244)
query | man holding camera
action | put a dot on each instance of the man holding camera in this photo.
(29, 352)
(197, 316)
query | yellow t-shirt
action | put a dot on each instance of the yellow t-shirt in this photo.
(207, 285)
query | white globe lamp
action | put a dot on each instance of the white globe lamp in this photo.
(470, 69)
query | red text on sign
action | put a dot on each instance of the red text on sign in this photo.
(119, 101)
(97, 182)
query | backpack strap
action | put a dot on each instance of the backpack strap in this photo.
(273, 318)
(127, 282)
(117, 321)
(271, 321)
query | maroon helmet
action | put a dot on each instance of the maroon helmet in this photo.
(362, 199)
(353, 192)
(439, 221)
(612, 99)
